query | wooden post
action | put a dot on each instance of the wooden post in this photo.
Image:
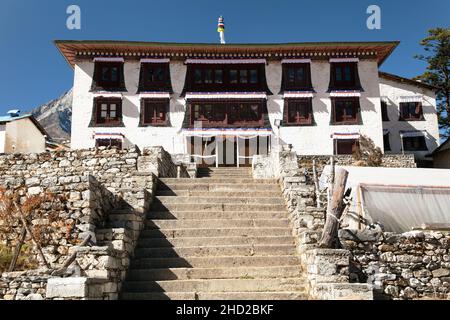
(71, 259)
(17, 250)
(316, 185)
(334, 210)
(30, 233)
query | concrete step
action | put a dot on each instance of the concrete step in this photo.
(168, 181)
(279, 295)
(229, 187)
(217, 223)
(216, 207)
(227, 250)
(217, 232)
(206, 198)
(236, 194)
(214, 273)
(219, 285)
(205, 215)
(213, 241)
(214, 262)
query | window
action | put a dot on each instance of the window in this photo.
(414, 144)
(384, 112)
(108, 143)
(225, 78)
(411, 111)
(345, 146)
(108, 76)
(344, 75)
(386, 142)
(345, 110)
(227, 113)
(107, 112)
(298, 112)
(297, 76)
(154, 112)
(154, 77)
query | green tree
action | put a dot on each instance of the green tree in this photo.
(437, 74)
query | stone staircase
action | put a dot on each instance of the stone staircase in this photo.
(222, 236)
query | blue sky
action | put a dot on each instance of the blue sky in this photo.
(33, 71)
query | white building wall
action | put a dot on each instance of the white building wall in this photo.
(317, 140)
(168, 137)
(306, 140)
(2, 138)
(393, 90)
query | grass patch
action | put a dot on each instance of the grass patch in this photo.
(26, 260)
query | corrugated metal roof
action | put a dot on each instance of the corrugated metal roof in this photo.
(9, 118)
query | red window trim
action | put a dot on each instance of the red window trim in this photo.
(96, 113)
(354, 120)
(154, 122)
(299, 120)
(228, 104)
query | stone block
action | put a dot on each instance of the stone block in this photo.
(67, 287)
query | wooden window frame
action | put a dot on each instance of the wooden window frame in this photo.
(304, 85)
(146, 85)
(422, 145)
(154, 122)
(419, 116)
(295, 103)
(97, 111)
(98, 84)
(336, 142)
(346, 121)
(353, 84)
(118, 143)
(225, 84)
(228, 106)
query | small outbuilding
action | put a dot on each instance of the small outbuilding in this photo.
(21, 134)
(441, 155)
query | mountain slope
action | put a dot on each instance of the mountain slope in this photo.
(56, 116)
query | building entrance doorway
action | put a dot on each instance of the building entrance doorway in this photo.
(227, 150)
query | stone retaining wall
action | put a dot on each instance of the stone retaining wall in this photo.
(91, 184)
(411, 265)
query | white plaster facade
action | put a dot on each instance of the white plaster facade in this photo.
(393, 90)
(2, 138)
(306, 140)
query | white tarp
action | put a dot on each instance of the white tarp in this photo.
(398, 198)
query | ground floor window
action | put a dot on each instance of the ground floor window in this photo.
(386, 142)
(345, 146)
(117, 143)
(414, 144)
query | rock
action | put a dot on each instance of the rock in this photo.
(423, 273)
(409, 293)
(391, 290)
(34, 296)
(414, 235)
(359, 235)
(33, 191)
(386, 248)
(413, 282)
(441, 272)
(388, 257)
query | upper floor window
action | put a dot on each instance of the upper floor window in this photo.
(227, 113)
(414, 143)
(225, 78)
(345, 111)
(411, 111)
(154, 112)
(107, 112)
(154, 77)
(108, 76)
(344, 76)
(384, 111)
(296, 77)
(298, 112)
